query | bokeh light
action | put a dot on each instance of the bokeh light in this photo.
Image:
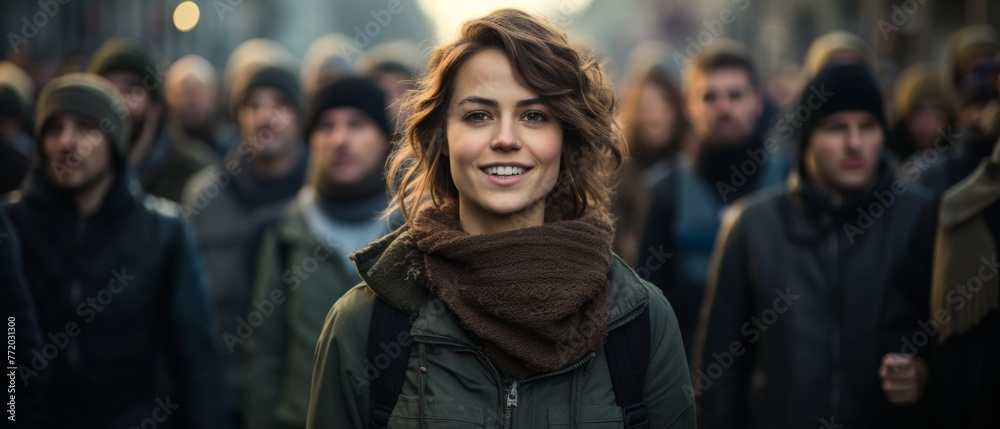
(186, 16)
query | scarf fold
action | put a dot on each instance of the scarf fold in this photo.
(535, 299)
(964, 245)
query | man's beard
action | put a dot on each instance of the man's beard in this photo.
(138, 122)
(88, 184)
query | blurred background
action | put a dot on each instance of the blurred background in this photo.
(778, 31)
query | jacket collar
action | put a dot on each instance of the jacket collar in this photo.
(123, 193)
(393, 268)
(810, 197)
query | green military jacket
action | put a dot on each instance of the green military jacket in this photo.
(450, 383)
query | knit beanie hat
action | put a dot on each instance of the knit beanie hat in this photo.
(17, 91)
(838, 88)
(358, 92)
(278, 75)
(89, 96)
(130, 55)
(826, 47)
(921, 83)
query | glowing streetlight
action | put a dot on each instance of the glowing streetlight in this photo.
(186, 16)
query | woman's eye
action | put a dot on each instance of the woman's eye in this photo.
(534, 117)
(476, 117)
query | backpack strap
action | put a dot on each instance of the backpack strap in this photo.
(627, 351)
(386, 326)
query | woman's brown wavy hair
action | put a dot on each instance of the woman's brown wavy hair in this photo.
(571, 84)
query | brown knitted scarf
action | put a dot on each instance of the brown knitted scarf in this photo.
(535, 298)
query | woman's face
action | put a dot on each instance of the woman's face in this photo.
(504, 146)
(926, 123)
(656, 116)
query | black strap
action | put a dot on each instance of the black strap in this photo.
(627, 351)
(387, 324)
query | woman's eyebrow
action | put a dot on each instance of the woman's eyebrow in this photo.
(493, 103)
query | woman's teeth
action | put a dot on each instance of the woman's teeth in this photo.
(504, 170)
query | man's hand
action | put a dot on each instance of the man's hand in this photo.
(903, 378)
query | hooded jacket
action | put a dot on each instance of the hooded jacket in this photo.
(450, 383)
(120, 292)
(300, 275)
(790, 330)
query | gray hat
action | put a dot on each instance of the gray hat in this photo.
(89, 96)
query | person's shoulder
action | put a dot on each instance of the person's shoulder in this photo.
(164, 214)
(760, 203)
(662, 188)
(352, 312)
(913, 191)
(629, 292)
(200, 181)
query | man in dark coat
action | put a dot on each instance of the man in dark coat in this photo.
(230, 205)
(23, 333)
(790, 329)
(943, 318)
(731, 159)
(118, 281)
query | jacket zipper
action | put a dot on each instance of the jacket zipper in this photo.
(482, 358)
(835, 294)
(509, 390)
(508, 413)
(76, 295)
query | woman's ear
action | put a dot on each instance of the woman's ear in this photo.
(442, 138)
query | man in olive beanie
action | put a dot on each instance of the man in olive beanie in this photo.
(792, 326)
(117, 280)
(164, 159)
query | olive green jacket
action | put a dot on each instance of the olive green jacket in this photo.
(290, 302)
(450, 383)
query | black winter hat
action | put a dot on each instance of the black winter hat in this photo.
(835, 89)
(86, 95)
(267, 74)
(358, 92)
(129, 55)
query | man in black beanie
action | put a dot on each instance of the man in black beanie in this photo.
(790, 333)
(164, 159)
(116, 277)
(336, 213)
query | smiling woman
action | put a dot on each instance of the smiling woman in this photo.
(500, 97)
(503, 276)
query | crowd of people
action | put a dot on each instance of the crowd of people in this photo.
(499, 237)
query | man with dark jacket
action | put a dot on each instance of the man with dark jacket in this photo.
(118, 282)
(943, 320)
(231, 204)
(790, 332)
(723, 104)
(23, 333)
(336, 213)
(164, 158)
